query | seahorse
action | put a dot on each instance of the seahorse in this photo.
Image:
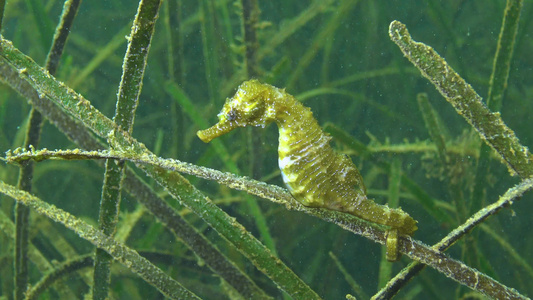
(315, 175)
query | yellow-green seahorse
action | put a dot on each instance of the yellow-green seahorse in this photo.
(314, 174)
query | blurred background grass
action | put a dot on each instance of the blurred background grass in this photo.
(334, 55)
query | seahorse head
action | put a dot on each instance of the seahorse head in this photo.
(252, 105)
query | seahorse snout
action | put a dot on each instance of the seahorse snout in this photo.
(216, 130)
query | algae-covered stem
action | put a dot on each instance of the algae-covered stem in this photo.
(129, 90)
(125, 255)
(432, 256)
(2, 7)
(32, 138)
(466, 101)
(471, 278)
(13, 60)
(314, 174)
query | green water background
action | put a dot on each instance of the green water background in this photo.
(352, 76)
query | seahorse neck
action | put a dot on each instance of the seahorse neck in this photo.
(295, 117)
(297, 130)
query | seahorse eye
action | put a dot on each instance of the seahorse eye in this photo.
(232, 115)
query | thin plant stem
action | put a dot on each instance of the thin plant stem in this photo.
(512, 194)
(314, 9)
(100, 57)
(430, 119)
(504, 54)
(129, 90)
(348, 277)
(431, 256)
(22, 212)
(198, 243)
(497, 86)
(437, 136)
(468, 104)
(33, 134)
(207, 24)
(2, 7)
(80, 135)
(70, 10)
(320, 40)
(59, 272)
(250, 19)
(466, 101)
(126, 256)
(178, 186)
(173, 20)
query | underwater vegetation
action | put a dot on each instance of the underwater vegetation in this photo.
(428, 99)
